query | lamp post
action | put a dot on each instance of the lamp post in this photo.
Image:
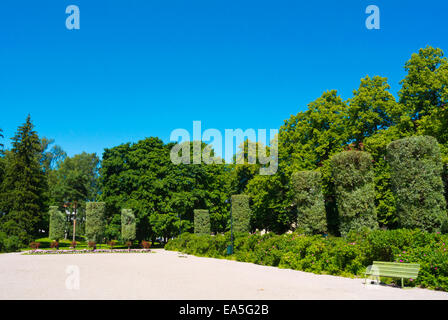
(74, 221)
(74, 206)
(230, 247)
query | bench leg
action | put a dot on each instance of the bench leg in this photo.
(401, 283)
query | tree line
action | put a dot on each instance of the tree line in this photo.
(36, 174)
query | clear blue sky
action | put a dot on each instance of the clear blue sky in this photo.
(140, 68)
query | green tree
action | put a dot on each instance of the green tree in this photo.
(309, 201)
(57, 224)
(371, 108)
(24, 186)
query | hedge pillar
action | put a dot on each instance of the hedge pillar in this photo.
(95, 221)
(311, 215)
(355, 191)
(57, 224)
(128, 227)
(416, 181)
(201, 221)
(241, 213)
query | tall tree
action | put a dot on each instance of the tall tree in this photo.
(371, 108)
(22, 197)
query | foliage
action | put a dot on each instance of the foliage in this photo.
(23, 189)
(9, 243)
(241, 213)
(141, 176)
(309, 199)
(128, 226)
(146, 244)
(416, 169)
(348, 256)
(57, 224)
(201, 221)
(95, 221)
(355, 190)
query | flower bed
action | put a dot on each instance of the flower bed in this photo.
(74, 251)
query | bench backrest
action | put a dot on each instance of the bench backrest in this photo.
(395, 269)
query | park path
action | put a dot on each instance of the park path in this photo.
(166, 275)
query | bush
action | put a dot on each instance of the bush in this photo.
(241, 213)
(416, 168)
(309, 201)
(54, 245)
(34, 245)
(9, 244)
(57, 224)
(355, 191)
(201, 221)
(92, 245)
(128, 225)
(95, 221)
(146, 244)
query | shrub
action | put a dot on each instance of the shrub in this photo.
(128, 225)
(9, 244)
(95, 221)
(201, 221)
(111, 244)
(146, 244)
(309, 201)
(92, 245)
(416, 168)
(57, 224)
(74, 244)
(129, 244)
(241, 213)
(355, 191)
(54, 245)
(34, 245)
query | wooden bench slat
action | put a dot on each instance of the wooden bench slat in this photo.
(393, 270)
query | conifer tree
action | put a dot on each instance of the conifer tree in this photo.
(23, 189)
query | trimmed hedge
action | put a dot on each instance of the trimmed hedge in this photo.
(57, 224)
(95, 221)
(355, 191)
(128, 225)
(241, 213)
(309, 200)
(201, 221)
(416, 181)
(343, 256)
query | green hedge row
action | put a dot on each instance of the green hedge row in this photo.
(348, 256)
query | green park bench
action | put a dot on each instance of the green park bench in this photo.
(392, 270)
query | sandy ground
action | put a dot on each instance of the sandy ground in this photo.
(166, 275)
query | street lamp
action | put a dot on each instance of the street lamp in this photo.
(230, 247)
(67, 205)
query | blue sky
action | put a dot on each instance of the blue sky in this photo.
(140, 68)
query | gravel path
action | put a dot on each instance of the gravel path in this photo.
(164, 275)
